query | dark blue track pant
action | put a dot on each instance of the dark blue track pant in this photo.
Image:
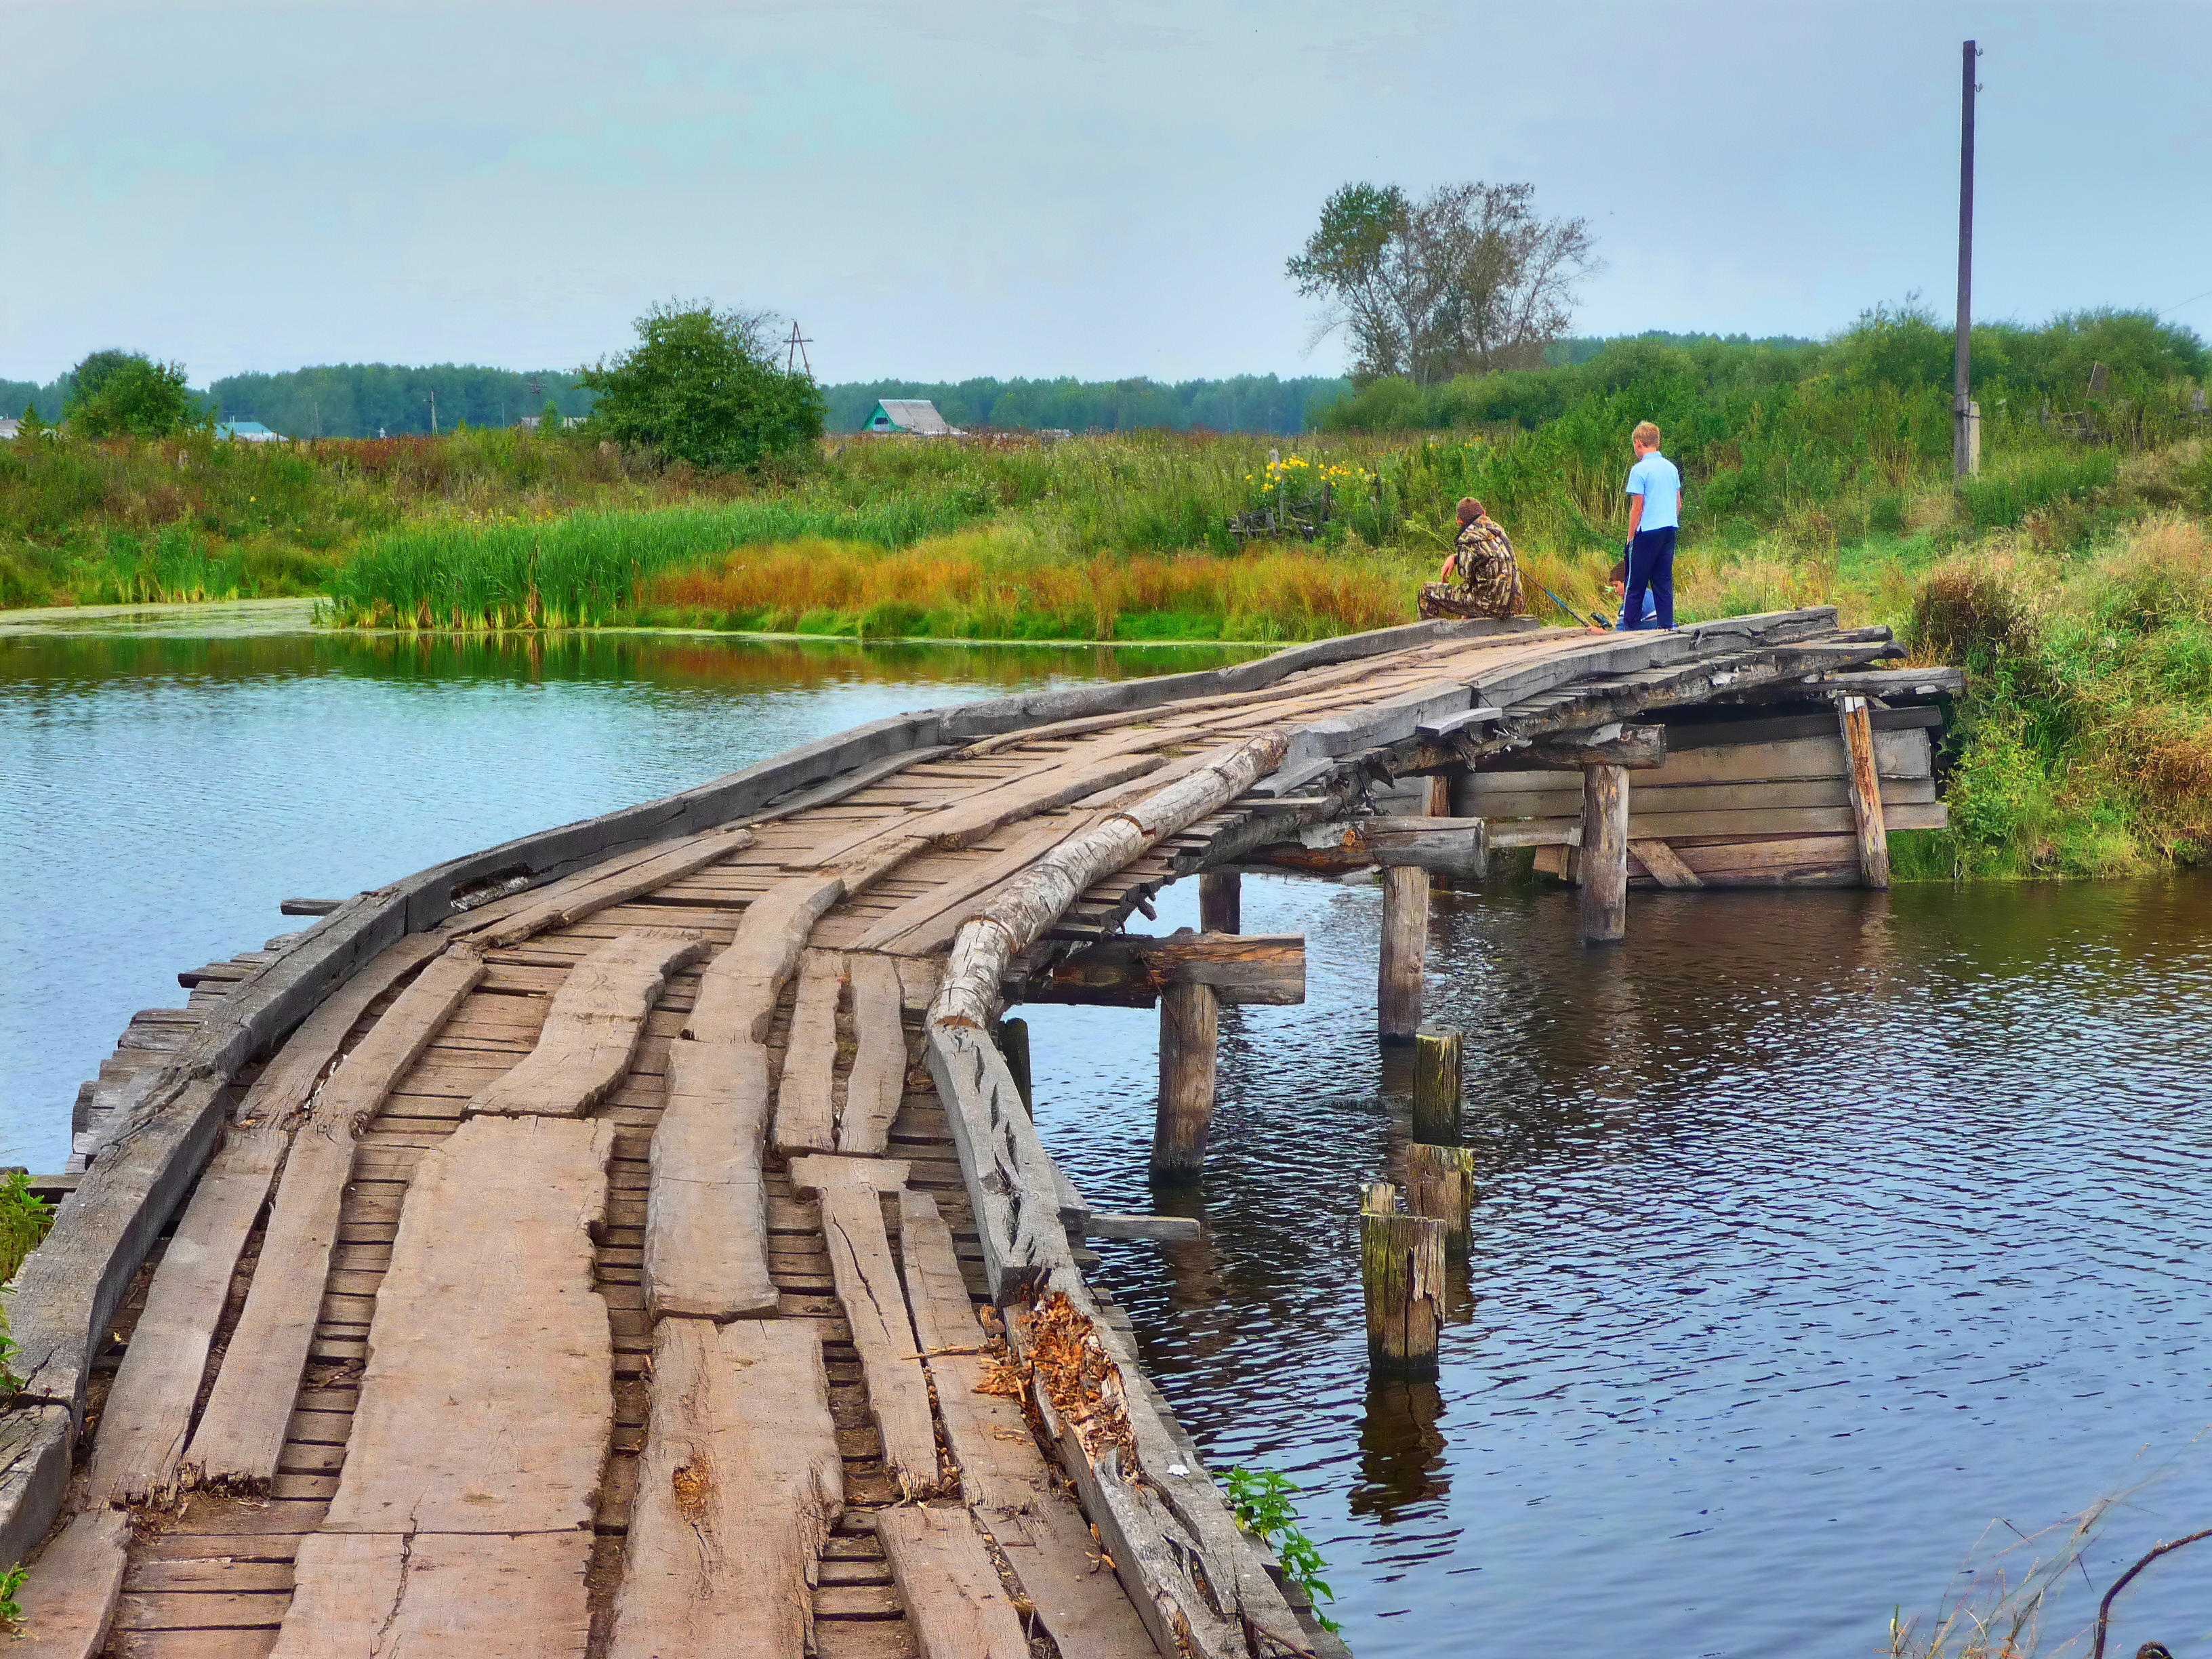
(1650, 565)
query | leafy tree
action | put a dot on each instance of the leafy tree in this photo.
(549, 419)
(703, 386)
(1466, 281)
(127, 394)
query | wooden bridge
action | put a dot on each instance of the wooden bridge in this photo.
(633, 1240)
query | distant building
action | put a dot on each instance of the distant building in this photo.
(915, 416)
(10, 426)
(247, 432)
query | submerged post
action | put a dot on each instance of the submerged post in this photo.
(1221, 903)
(1604, 906)
(1190, 1020)
(1440, 1184)
(1866, 792)
(1402, 1269)
(1437, 1085)
(1405, 951)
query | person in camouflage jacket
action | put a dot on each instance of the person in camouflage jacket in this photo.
(1481, 578)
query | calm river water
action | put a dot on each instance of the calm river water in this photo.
(1821, 1236)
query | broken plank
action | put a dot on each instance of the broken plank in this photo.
(878, 1074)
(738, 990)
(958, 1607)
(1003, 1474)
(592, 1028)
(740, 1484)
(73, 1588)
(486, 1402)
(705, 1217)
(806, 1118)
(1666, 868)
(867, 1277)
(428, 1594)
(242, 1429)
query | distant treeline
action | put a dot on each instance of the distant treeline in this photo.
(1243, 403)
(359, 400)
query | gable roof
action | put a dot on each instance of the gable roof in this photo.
(914, 415)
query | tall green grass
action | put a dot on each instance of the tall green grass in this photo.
(590, 568)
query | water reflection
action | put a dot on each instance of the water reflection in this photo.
(1815, 1231)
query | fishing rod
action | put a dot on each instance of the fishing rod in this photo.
(1580, 621)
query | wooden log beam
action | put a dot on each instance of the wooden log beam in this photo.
(1405, 953)
(1021, 910)
(1131, 971)
(1603, 915)
(1638, 748)
(1189, 1044)
(1866, 792)
(1020, 1217)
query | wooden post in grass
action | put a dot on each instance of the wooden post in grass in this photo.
(1866, 792)
(1402, 1269)
(1405, 952)
(1437, 1086)
(1220, 902)
(1190, 1019)
(1603, 911)
(1440, 1184)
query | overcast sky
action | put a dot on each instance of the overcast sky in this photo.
(941, 190)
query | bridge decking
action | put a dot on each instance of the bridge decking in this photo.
(395, 1381)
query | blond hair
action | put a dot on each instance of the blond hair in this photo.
(1646, 432)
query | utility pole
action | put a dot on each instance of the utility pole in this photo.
(1966, 413)
(433, 414)
(796, 357)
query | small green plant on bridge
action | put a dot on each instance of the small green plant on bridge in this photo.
(1263, 1501)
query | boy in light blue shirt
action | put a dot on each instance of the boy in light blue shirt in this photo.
(1655, 513)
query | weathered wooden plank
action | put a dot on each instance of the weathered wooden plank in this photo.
(878, 1074)
(1672, 827)
(806, 1110)
(927, 921)
(958, 1607)
(1009, 1180)
(1003, 1475)
(242, 1429)
(706, 1224)
(440, 1596)
(740, 1484)
(1722, 797)
(1898, 754)
(738, 989)
(1131, 971)
(593, 1026)
(684, 857)
(866, 1276)
(1868, 818)
(73, 1588)
(487, 1402)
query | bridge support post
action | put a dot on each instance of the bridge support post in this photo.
(1440, 1184)
(1437, 1086)
(1603, 915)
(1405, 951)
(1402, 1269)
(1190, 1023)
(1866, 792)
(1012, 1037)
(1221, 903)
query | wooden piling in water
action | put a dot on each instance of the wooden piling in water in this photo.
(1440, 1184)
(1221, 901)
(1405, 952)
(1190, 1018)
(1603, 910)
(1437, 1085)
(1013, 1036)
(1402, 1269)
(1866, 792)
